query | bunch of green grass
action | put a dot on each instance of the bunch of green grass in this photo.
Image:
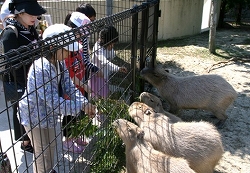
(108, 150)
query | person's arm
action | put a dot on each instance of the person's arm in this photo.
(111, 55)
(48, 91)
(90, 67)
(78, 82)
(100, 59)
(76, 95)
(107, 65)
(10, 40)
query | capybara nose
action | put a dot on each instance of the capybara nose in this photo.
(148, 112)
(115, 123)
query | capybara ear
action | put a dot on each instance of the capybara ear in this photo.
(167, 70)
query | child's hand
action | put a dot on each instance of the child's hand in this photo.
(89, 109)
(123, 69)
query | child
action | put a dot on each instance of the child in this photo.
(42, 103)
(77, 19)
(77, 65)
(88, 10)
(103, 53)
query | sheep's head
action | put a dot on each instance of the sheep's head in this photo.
(128, 131)
(152, 101)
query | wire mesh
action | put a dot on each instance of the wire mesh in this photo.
(103, 150)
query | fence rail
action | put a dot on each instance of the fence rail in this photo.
(104, 152)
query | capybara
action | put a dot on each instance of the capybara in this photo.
(155, 103)
(140, 155)
(197, 142)
(207, 92)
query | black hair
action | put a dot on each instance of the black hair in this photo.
(108, 35)
(68, 22)
(86, 9)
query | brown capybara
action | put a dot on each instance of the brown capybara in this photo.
(197, 142)
(207, 92)
(155, 103)
(140, 155)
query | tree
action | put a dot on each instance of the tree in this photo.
(212, 31)
(232, 5)
(222, 13)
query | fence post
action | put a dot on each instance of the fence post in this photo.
(109, 6)
(157, 14)
(134, 55)
(143, 42)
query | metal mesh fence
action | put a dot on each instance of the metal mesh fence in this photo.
(46, 106)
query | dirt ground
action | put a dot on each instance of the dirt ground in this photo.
(190, 56)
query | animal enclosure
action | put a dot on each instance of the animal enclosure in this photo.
(137, 28)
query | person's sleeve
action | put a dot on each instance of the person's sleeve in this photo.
(111, 54)
(90, 67)
(100, 57)
(70, 89)
(105, 62)
(50, 94)
(10, 40)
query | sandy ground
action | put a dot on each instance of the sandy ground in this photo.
(190, 58)
(194, 59)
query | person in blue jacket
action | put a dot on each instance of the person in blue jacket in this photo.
(42, 104)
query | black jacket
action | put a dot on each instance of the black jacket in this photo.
(11, 41)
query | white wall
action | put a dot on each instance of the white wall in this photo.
(178, 17)
(206, 14)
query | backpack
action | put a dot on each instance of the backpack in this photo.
(1, 43)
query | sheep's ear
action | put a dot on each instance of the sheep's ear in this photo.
(140, 135)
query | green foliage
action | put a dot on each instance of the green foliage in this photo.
(109, 153)
(112, 108)
(83, 126)
(109, 150)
